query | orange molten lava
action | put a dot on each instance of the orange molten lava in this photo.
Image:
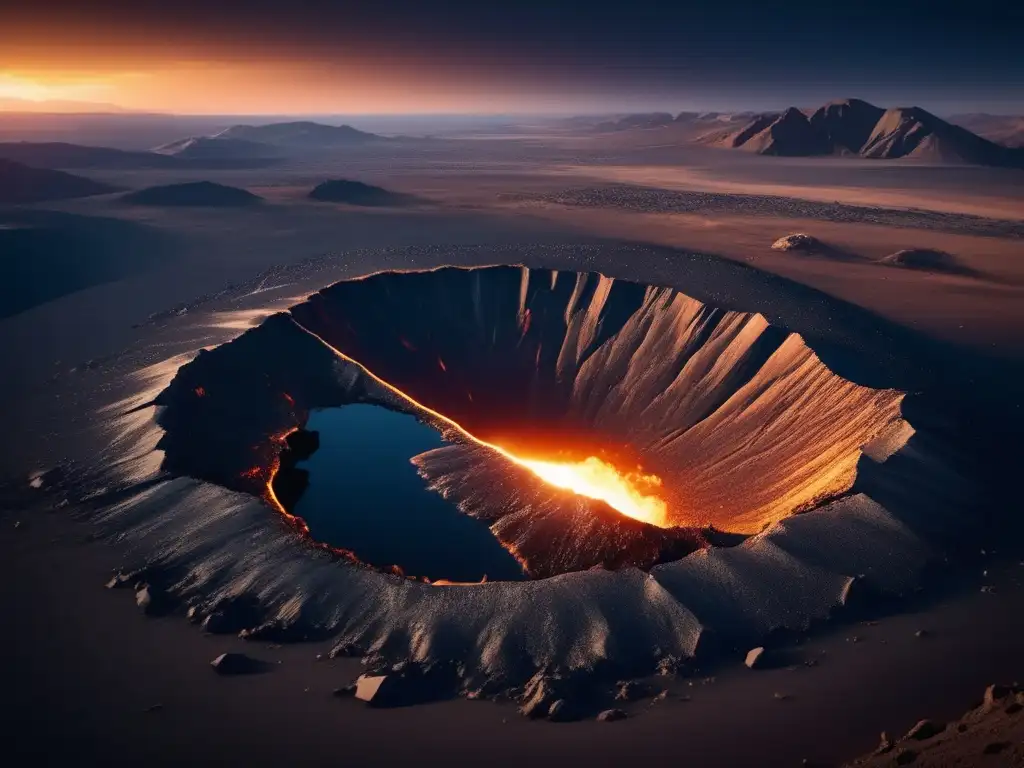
(598, 480)
(591, 477)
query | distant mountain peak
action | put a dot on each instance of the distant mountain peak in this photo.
(855, 126)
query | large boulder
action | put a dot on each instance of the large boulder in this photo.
(799, 241)
(755, 658)
(236, 664)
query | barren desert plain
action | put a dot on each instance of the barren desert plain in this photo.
(835, 420)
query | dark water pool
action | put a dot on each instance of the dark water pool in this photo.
(364, 495)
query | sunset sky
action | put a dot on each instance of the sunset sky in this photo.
(394, 56)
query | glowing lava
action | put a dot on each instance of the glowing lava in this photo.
(598, 480)
(591, 477)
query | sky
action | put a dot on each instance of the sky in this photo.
(455, 56)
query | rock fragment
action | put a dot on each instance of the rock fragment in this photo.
(235, 664)
(800, 241)
(755, 658)
(630, 690)
(611, 716)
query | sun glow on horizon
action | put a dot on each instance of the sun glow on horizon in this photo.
(50, 88)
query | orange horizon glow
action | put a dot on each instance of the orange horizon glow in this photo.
(223, 87)
(628, 493)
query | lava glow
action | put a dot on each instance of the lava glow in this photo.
(599, 480)
(592, 477)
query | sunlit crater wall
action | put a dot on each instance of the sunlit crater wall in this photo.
(741, 421)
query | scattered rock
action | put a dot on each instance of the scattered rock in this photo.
(988, 590)
(345, 650)
(661, 696)
(611, 715)
(922, 633)
(119, 580)
(405, 684)
(669, 665)
(235, 664)
(755, 658)
(17, 524)
(542, 691)
(924, 729)
(781, 696)
(276, 631)
(345, 691)
(631, 690)
(153, 708)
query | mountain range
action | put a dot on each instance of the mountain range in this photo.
(21, 184)
(855, 127)
(301, 134)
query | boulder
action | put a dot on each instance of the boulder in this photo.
(539, 696)
(378, 690)
(235, 664)
(755, 658)
(799, 241)
(144, 599)
(611, 715)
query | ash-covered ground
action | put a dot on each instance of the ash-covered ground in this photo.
(87, 359)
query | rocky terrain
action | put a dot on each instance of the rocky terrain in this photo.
(990, 734)
(652, 200)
